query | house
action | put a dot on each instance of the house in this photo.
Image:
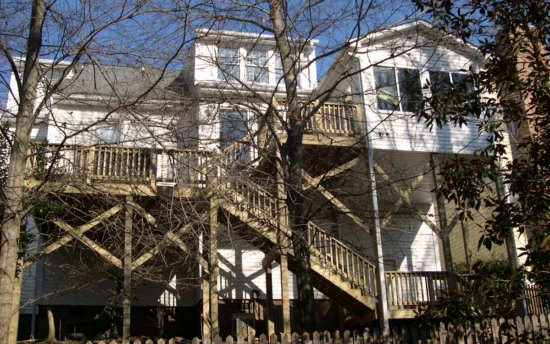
(177, 189)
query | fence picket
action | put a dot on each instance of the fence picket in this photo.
(305, 338)
(316, 338)
(528, 329)
(326, 338)
(346, 337)
(284, 338)
(367, 338)
(295, 338)
(544, 325)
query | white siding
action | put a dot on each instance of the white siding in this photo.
(394, 130)
(241, 272)
(30, 275)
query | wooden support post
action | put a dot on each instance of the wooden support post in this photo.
(269, 307)
(205, 305)
(127, 296)
(512, 253)
(442, 220)
(214, 269)
(285, 294)
(465, 239)
(378, 250)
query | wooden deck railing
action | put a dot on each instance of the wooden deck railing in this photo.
(331, 118)
(405, 288)
(118, 164)
(340, 258)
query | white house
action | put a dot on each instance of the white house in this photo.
(155, 144)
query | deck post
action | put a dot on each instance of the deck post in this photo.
(269, 307)
(127, 297)
(512, 253)
(285, 294)
(442, 222)
(205, 317)
(213, 267)
(378, 250)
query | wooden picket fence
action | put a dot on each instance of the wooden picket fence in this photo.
(531, 329)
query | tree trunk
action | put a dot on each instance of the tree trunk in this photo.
(16, 171)
(294, 180)
(51, 327)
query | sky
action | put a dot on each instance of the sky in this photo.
(157, 33)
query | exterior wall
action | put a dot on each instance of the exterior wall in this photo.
(395, 130)
(32, 273)
(205, 62)
(241, 272)
(79, 278)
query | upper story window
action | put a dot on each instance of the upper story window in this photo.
(443, 83)
(256, 66)
(397, 89)
(228, 63)
(278, 68)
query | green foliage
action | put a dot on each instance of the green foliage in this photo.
(489, 290)
(506, 32)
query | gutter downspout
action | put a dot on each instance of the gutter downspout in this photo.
(376, 233)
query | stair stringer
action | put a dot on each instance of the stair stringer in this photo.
(325, 279)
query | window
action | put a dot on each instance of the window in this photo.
(228, 64)
(404, 95)
(256, 66)
(105, 133)
(279, 73)
(278, 68)
(444, 84)
(232, 127)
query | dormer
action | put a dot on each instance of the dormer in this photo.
(229, 60)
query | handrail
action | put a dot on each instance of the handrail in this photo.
(119, 163)
(330, 118)
(349, 264)
(411, 288)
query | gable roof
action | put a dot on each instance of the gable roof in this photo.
(418, 28)
(122, 81)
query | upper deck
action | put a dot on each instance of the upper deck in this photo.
(123, 170)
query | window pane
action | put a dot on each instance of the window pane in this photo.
(462, 82)
(278, 68)
(232, 127)
(386, 88)
(410, 89)
(256, 66)
(440, 83)
(228, 63)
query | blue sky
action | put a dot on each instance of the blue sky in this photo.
(153, 34)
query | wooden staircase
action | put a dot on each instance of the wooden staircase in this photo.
(338, 272)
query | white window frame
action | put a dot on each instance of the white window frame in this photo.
(395, 69)
(224, 64)
(253, 63)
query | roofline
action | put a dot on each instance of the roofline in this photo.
(422, 25)
(204, 33)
